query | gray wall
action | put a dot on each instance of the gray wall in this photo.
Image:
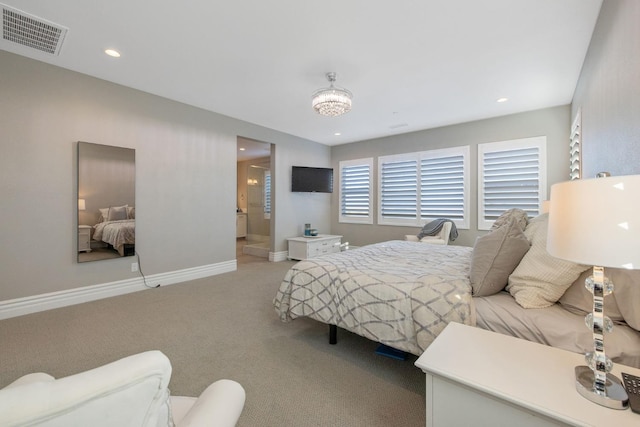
(608, 92)
(554, 123)
(185, 178)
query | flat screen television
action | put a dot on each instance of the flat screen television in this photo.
(311, 180)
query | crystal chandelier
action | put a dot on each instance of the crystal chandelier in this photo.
(331, 101)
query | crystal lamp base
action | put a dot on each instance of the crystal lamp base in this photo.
(615, 397)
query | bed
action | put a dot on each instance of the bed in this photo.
(116, 233)
(403, 294)
(116, 227)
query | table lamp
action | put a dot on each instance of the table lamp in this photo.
(597, 222)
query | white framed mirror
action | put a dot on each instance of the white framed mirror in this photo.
(106, 202)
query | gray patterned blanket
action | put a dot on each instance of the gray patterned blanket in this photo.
(398, 293)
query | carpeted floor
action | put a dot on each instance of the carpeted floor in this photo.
(225, 327)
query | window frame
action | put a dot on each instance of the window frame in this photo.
(417, 157)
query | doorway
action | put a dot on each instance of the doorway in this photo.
(254, 197)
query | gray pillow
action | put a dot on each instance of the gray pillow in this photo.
(518, 215)
(117, 213)
(495, 256)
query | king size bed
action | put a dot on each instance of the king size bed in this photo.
(403, 294)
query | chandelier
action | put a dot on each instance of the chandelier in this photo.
(331, 101)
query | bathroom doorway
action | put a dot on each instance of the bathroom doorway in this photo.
(254, 197)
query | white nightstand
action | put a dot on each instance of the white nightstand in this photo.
(309, 247)
(84, 238)
(482, 378)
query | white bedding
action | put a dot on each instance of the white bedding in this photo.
(116, 233)
(383, 292)
(554, 326)
(398, 293)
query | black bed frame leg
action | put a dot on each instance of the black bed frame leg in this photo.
(333, 334)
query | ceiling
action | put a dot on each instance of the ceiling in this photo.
(410, 64)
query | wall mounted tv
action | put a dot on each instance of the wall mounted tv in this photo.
(311, 180)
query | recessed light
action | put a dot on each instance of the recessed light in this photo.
(337, 134)
(502, 99)
(112, 52)
(242, 149)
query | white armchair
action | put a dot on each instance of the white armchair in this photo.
(129, 392)
(442, 238)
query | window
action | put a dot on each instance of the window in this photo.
(355, 191)
(512, 174)
(267, 194)
(415, 188)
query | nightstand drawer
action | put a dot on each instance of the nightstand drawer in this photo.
(310, 247)
(323, 247)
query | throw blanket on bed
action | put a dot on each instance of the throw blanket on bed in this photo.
(434, 227)
(398, 293)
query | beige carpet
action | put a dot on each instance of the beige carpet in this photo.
(225, 327)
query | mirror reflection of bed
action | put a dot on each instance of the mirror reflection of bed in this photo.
(106, 202)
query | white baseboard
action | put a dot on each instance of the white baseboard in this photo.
(48, 301)
(278, 256)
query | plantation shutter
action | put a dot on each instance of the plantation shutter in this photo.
(355, 191)
(267, 194)
(399, 189)
(442, 188)
(575, 157)
(513, 175)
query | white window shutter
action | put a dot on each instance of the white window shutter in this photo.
(512, 175)
(356, 191)
(442, 188)
(398, 191)
(267, 195)
(575, 148)
(415, 188)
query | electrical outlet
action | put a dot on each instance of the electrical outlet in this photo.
(134, 267)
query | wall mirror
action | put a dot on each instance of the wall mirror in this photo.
(106, 202)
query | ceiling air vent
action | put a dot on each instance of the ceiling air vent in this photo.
(31, 31)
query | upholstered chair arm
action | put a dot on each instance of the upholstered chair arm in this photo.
(219, 405)
(31, 378)
(131, 391)
(411, 238)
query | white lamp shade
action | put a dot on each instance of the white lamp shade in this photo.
(81, 205)
(596, 221)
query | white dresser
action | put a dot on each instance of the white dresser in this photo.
(476, 377)
(309, 247)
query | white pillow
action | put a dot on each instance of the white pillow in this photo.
(104, 214)
(540, 279)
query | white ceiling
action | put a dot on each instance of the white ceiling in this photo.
(411, 64)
